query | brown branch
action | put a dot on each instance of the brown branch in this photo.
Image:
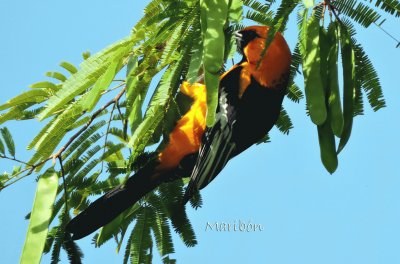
(14, 159)
(124, 122)
(332, 8)
(92, 118)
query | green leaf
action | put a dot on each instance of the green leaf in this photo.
(91, 70)
(361, 13)
(279, 22)
(51, 135)
(257, 6)
(69, 67)
(162, 234)
(348, 62)
(88, 101)
(284, 124)
(308, 3)
(40, 216)
(390, 6)
(141, 239)
(2, 149)
(56, 75)
(260, 18)
(47, 85)
(31, 96)
(86, 55)
(158, 107)
(112, 228)
(8, 140)
(368, 79)
(172, 194)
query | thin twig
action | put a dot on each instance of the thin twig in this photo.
(105, 140)
(387, 33)
(124, 121)
(64, 184)
(332, 8)
(14, 159)
(113, 88)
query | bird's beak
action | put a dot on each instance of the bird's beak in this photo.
(239, 40)
(238, 35)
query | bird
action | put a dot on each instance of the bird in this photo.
(250, 97)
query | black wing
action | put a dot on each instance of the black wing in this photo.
(217, 144)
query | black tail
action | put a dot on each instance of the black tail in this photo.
(110, 205)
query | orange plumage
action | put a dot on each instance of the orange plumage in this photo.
(185, 138)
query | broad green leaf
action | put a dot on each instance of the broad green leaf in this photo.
(40, 216)
(8, 140)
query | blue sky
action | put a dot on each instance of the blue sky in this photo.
(308, 216)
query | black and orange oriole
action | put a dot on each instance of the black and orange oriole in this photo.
(250, 99)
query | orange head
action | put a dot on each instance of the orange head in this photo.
(274, 65)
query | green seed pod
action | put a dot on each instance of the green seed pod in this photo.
(348, 61)
(326, 137)
(335, 107)
(313, 84)
(214, 14)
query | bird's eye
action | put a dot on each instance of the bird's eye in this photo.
(253, 34)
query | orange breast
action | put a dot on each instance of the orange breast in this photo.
(185, 138)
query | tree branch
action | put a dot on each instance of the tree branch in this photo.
(57, 155)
